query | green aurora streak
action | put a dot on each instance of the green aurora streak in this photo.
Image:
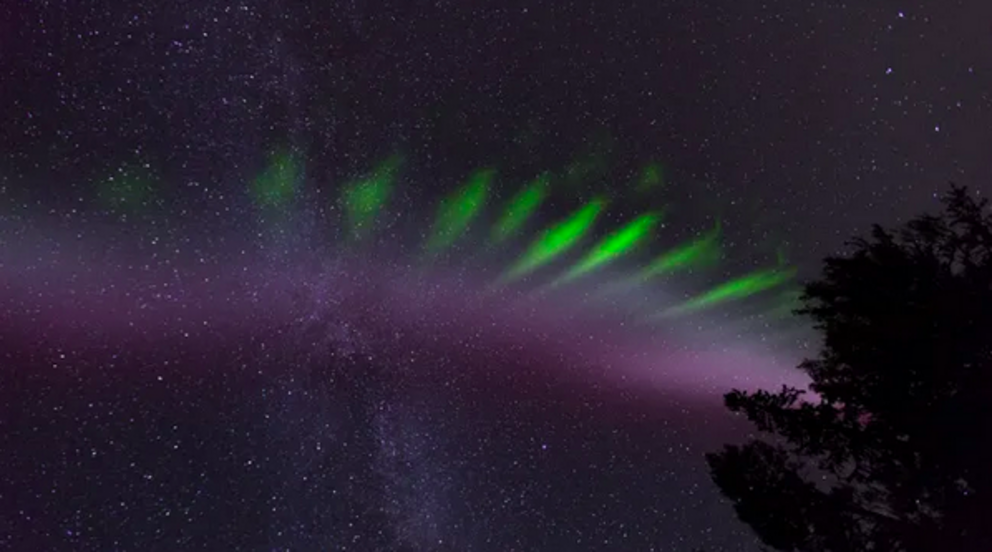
(277, 184)
(457, 211)
(738, 288)
(556, 240)
(615, 245)
(520, 208)
(128, 189)
(365, 199)
(701, 252)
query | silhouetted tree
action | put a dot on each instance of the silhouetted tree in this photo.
(891, 451)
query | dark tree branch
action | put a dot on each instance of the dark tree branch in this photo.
(891, 453)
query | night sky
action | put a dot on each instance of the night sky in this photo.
(195, 354)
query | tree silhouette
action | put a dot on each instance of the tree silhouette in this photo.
(890, 451)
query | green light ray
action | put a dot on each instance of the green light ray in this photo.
(785, 305)
(128, 189)
(585, 169)
(556, 240)
(459, 209)
(277, 184)
(363, 200)
(520, 208)
(652, 176)
(738, 288)
(780, 256)
(613, 246)
(593, 163)
(703, 251)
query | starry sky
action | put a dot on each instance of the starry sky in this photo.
(183, 367)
